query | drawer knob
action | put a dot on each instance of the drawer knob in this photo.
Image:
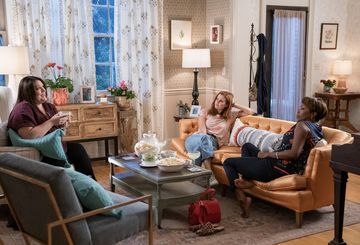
(99, 129)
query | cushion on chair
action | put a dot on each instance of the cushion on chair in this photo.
(49, 145)
(238, 126)
(107, 230)
(32, 203)
(90, 193)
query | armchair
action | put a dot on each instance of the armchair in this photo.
(46, 208)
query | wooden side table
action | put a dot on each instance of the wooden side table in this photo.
(334, 119)
(177, 118)
(127, 135)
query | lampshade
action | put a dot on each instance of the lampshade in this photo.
(14, 60)
(342, 67)
(196, 58)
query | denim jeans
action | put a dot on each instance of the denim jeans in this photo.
(204, 143)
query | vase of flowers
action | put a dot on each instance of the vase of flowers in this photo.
(60, 85)
(183, 108)
(328, 84)
(123, 95)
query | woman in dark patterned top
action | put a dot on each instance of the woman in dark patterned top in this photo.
(289, 158)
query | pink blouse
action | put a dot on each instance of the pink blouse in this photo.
(218, 126)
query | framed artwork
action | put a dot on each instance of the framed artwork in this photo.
(215, 34)
(87, 94)
(180, 34)
(195, 110)
(329, 34)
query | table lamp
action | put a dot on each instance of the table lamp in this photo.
(14, 60)
(342, 68)
(196, 58)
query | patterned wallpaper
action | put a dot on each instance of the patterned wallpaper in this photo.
(202, 14)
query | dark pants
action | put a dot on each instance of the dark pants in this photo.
(250, 166)
(77, 156)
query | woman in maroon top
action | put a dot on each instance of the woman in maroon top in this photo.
(33, 117)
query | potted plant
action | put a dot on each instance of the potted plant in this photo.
(123, 95)
(59, 84)
(328, 84)
(183, 108)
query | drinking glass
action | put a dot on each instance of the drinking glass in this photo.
(193, 155)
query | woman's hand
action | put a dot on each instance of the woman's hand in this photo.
(59, 119)
(262, 154)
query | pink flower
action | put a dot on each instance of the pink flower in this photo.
(123, 85)
(60, 67)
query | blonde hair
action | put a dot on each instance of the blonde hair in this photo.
(229, 97)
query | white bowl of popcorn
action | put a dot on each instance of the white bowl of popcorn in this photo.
(171, 164)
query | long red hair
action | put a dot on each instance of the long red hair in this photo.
(227, 110)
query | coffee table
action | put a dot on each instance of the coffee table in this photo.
(168, 189)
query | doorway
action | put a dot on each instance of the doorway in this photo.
(286, 31)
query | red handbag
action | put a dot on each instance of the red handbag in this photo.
(203, 211)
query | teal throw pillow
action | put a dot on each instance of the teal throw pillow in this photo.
(49, 145)
(90, 193)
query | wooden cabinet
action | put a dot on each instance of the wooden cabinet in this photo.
(90, 121)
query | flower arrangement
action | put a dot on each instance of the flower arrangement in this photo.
(58, 81)
(122, 90)
(328, 83)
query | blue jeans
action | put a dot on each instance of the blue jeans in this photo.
(204, 143)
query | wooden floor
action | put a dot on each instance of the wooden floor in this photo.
(351, 233)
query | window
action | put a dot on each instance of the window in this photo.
(103, 26)
(2, 77)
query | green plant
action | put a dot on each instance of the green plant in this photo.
(183, 105)
(58, 81)
(328, 83)
(122, 90)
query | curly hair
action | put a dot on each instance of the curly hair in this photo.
(317, 106)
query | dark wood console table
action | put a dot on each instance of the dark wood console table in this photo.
(344, 159)
(334, 118)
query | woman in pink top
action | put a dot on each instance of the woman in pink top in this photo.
(214, 128)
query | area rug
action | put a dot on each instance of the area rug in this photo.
(267, 224)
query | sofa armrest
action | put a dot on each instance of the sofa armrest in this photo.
(319, 174)
(28, 152)
(187, 127)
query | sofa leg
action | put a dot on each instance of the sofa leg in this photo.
(223, 190)
(299, 219)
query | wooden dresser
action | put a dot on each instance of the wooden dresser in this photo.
(92, 122)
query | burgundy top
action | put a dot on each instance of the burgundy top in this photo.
(25, 114)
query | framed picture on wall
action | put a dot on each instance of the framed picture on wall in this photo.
(180, 34)
(87, 94)
(215, 34)
(329, 34)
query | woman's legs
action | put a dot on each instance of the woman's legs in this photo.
(205, 144)
(78, 156)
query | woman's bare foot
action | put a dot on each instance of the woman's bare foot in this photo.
(243, 184)
(245, 203)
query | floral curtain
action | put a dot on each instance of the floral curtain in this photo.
(53, 36)
(139, 58)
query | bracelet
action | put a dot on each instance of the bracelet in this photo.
(276, 154)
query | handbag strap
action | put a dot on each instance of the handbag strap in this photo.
(209, 193)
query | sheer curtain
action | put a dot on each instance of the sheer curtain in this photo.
(288, 56)
(139, 59)
(54, 35)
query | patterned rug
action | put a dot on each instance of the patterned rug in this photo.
(268, 224)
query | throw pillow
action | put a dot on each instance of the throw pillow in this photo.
(91, 194)
(263, 139)
(3, 134)
(49, 145)
(238, 126)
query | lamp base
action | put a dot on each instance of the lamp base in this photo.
(340, 90)
(195, 92)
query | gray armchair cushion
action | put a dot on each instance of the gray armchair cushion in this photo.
(31, 203)
(4, 141)
(107, 230)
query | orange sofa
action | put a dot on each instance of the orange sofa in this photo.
(301, 193)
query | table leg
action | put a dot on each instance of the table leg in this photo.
(337, 114)
(106, 148)
(158, 206)
(112, 186)
(340, 179)
(116, 146)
